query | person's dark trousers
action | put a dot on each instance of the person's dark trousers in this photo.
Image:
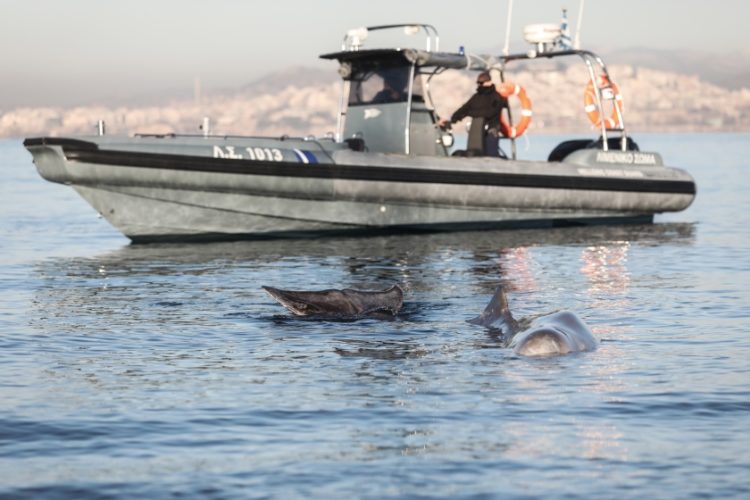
(490, 144)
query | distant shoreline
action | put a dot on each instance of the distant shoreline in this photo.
(300, 104)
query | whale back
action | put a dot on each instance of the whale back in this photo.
(338, 303)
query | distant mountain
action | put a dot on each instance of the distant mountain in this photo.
(730, 70)
(297, 75)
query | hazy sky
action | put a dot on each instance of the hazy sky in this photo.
(81, 51)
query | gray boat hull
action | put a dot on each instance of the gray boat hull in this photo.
(182, 188)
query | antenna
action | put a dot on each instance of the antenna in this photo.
(506, 49)
(577, 41)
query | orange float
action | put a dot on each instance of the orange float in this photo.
(506, 90)
(592, 110)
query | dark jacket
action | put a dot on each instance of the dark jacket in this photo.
(486, 103)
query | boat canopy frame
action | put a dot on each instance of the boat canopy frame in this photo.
(431, 62)
(591, 60)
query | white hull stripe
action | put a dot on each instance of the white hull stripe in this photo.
(305, 157)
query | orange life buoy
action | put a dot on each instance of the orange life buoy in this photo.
(508, 89)
(589, 100)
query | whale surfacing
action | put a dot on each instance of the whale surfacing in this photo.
(555, 334)
(551, 335)
(346, 303)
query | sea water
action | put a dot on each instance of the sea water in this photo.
(165, 370)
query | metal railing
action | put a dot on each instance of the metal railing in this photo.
(591, 61)
(354, 38)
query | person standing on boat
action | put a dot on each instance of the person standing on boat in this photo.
(484, 107)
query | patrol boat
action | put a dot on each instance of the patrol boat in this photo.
(388, 166)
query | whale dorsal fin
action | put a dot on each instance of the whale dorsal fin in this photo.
(497, 314)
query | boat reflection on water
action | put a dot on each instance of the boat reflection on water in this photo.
(384, 249)
(605, 268)
(472, 261)
(518, 269)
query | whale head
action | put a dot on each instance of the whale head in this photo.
(553, 335)
(541, 342)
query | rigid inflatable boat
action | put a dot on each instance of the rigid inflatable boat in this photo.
(388, 166)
